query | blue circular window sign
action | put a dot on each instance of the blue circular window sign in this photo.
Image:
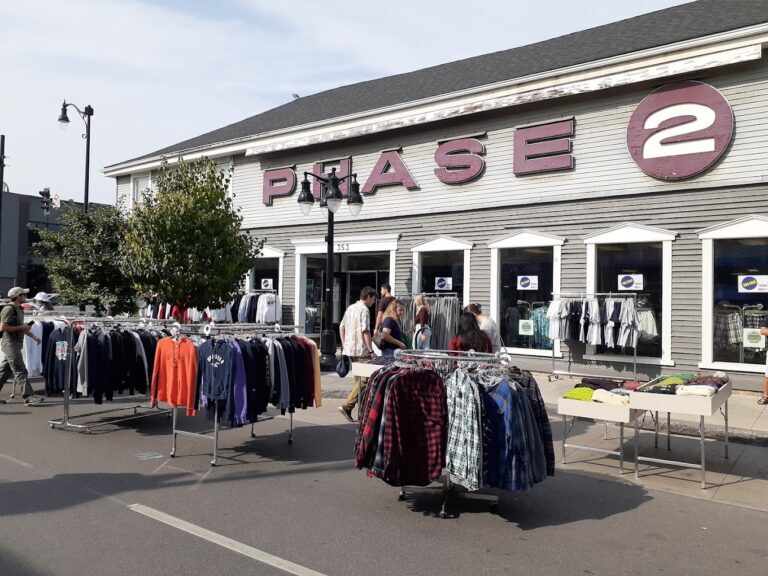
(525, 281)
(749, 283)
(627, 281)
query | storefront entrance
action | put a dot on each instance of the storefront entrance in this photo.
(354, 269)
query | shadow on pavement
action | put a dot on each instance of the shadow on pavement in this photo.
(563, 499)
(14, 565)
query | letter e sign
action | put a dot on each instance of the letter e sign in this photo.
(680, 130)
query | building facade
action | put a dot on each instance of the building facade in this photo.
(629, 158)
(22, 216)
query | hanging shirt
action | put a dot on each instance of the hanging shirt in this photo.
(33, 352)
(174, 376)
(463, 452)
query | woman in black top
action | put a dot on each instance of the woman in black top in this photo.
(390, 326)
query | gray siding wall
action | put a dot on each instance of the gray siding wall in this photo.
(683, 212)
(124, 192)
(603, 166)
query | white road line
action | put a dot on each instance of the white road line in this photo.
(225, 542)
(16, 461)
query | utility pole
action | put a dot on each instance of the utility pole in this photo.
(2, 187)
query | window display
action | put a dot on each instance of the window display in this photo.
(442, 271)
(265, 275)
(740, 300)
(635, 267)
(525, 289)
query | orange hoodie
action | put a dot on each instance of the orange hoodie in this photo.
(174, 377)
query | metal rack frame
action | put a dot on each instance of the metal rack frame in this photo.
(555, 375)
(229, 330)
(65, 423)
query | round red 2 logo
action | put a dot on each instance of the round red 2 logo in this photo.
(680, 130)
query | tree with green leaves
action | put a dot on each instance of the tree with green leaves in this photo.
(183, 243)
(83, 258)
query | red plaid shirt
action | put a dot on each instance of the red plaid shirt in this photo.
(414, 437)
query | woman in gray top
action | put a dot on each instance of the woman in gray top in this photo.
(487, 325)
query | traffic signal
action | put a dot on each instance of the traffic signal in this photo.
(45, 200)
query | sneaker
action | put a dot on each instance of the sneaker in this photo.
(347, 412)
(33, 400)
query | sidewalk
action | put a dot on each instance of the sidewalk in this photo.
(748, 421)
(739, 479)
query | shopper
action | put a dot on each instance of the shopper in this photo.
(386, 300)
(764, 398)
(469, 336)
(44, 301)
(390, 327)
(422, 332)
(355, 332)
(13, 330)
(486, 324)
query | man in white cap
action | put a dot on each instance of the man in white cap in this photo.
(13, 330)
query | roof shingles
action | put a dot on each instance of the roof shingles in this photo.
(672, 25)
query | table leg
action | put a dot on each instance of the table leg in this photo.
(656, 431)
(637, 472)
(703, 455)
(621, 448)
(669, 431)
(565, 435)
(726, 429)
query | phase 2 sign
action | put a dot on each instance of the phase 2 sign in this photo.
(680, 130)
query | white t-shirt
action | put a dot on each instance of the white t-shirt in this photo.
(356, 320)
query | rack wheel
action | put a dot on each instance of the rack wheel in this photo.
(401, 496)
(290, 440)
(494, 507)
(173, 454)
(52, 426)
(443, 514)
(213, 463)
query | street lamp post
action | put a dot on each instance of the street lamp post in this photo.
(330, 198)
(64, 124)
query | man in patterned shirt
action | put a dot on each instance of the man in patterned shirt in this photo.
(355, 332)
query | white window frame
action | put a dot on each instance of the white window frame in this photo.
(341, 245)
(745, 227)
(133, 199)
(442, 244)
(526, 239)
(630, 233)
(269, 252)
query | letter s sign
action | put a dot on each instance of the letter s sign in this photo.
(680, 130)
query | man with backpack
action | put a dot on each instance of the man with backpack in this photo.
(13, 331)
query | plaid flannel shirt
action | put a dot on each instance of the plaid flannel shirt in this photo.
(531, 388)
(464, 447)
(728, 329)
(415, 434)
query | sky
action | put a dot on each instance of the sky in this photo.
(158, 72)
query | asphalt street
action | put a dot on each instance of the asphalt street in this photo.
(113, 502)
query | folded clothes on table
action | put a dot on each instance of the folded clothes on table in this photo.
(631, 385)
(584, 394)
(696, 390)
(605, 397)
(597, 384)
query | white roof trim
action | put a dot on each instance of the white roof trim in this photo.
(526, 238)
(733, 46)
(268, 252)
(753, 226)
(628, 232)
(442, 244)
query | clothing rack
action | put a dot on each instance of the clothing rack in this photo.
(65, 421)
(410, 357)
(268, 330)
(435, 294)
(575, 296)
